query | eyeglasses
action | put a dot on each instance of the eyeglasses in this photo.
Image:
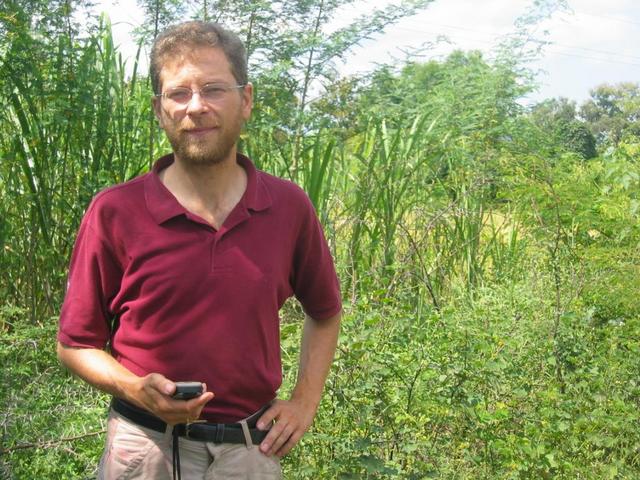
(211, 92)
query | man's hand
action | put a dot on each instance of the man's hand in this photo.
(153, 393)
(292, 419)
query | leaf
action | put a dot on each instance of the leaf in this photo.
(552, 460)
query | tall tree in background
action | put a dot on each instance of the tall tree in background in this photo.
(613, 111)
(68, 121)
(558, 119)
(33, 33)
(158, 15)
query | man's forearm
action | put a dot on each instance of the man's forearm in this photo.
(294, 417)
(151, 392)
(98, 368)
(319, 340)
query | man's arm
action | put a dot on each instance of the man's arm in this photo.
(151, 392)
(294, 417)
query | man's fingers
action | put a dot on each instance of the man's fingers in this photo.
(282, 439)
(195, 405)
(273, 438)
(280, 433)
(184, 411)
(290, 443)
(267, 418)
(200, 400)
(160, 383)
(291, 422)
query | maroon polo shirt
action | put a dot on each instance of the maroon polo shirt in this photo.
(193, 302)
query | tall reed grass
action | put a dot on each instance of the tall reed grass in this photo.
(73, 125)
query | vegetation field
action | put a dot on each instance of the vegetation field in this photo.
(487, 252)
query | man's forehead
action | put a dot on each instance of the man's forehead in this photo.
(196, 55)
(207, 58)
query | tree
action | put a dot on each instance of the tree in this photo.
(554, 110)
(159, 14)
(558, 119)
(576, 137)
(467, 93)
(613, 112)
(292, 56)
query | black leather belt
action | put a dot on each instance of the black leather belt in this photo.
(204, 432)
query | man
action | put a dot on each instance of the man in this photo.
(181, 273)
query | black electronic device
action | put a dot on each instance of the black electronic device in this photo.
(187, 390)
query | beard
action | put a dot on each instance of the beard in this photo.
(211, 149)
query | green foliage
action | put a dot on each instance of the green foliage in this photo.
(159, 14)
(610, 115)
(612, 112)
(612, 295)
(576, 137)
(558, 119)
(52, 424)
(468, 392)
(464, 90)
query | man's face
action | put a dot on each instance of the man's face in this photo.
(202, 132)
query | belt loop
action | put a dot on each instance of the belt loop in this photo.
(219, 433)
(168, 434)
(247, 434)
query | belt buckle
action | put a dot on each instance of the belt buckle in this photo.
(187, 427)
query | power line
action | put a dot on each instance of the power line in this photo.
(614, 19)
(484, 32)
(603, 60)
(606, 52)
(550, 43)
(455, 27)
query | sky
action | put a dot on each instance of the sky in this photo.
(590, 43)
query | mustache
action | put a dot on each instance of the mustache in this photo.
(191, 125)
(187, 128)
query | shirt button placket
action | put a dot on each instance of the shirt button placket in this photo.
(214, 242)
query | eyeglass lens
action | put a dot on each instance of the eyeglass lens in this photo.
(208, 93)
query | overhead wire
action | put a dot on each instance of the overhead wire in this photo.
(615, 19)
(618, 60)
(485, 32)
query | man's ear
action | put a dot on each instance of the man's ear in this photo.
(157, 108)
(247, 101)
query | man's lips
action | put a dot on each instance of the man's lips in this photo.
(198, 130)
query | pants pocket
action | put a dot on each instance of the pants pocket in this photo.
(130, 453)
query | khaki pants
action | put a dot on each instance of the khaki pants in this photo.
(135, 452)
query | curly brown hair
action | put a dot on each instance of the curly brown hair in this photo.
(180, 38)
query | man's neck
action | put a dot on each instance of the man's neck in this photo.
(209, 191)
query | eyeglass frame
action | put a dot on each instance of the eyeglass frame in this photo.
(226, 88)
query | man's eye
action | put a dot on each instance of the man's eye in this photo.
(179, 95)
(213, 91)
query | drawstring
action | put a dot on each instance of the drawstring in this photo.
(176, 454)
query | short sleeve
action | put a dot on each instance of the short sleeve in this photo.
(314, 280)
(93, 281)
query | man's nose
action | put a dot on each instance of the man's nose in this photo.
(196, 104)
